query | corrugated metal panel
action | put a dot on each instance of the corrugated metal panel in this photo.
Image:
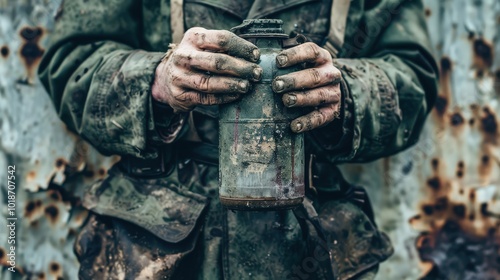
(438, 200)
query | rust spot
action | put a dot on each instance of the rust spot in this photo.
(428, 209)
(38, 203)
(460, 173)
(428, 12)
(31, 33)
(459, 211)
(471, 121)
(441, 204)
(472, 216)
(41, 275)
(456, 119)
(471, 35)
(480, 73)
(424, 241)
(54, 267)
(446, 65)
(29, 208)
(55, 195)
(34, 224)
(484, 208)
(4, 51)
(60, 162)
(489, 122)
(31, 176)
(483, 53)
(460, 164)
(461, 191)
(435, 163)
(2, 255)
(52, 213)
(441, 105)
(472, 195)
(30, 52)
(434, 183)
(101, 172)
(485, 159)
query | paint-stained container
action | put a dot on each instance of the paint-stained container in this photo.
(261, 160)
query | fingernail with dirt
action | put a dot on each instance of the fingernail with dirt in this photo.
(256, 54)
(243, 86)
(289, 100)
(297, 126)
(278, 85)
(282, 60)
(257, 72)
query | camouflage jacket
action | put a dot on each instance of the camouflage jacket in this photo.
(99, 71)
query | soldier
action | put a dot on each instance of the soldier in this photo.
(157, 214)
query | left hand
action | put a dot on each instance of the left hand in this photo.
(317, 86)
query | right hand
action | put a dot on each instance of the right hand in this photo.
(208, 67)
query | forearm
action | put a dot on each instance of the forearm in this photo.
(99, 80)
(389, 91)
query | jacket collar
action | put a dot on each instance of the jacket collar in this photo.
(264, 8)
(245, 9)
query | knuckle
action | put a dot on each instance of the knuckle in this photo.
(178, 57)
(321, 117)
(333, 74)
(223, 38)
(313, 49)
(183, 95)
(203, 82)
(194, 30)
(323, 95)
(220, 63)
(326, 54)
(315, 75)
(196, 35)
(175, 77)
(209, 100)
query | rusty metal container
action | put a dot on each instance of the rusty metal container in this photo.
(261, 159)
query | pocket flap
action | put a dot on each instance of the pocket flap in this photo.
(159, 206)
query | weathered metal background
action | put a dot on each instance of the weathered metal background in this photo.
(439, 201)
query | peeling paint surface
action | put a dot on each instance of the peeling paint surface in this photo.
(45, 153)
(438, 201)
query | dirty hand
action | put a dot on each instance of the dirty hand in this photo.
(208, 67)
(316, 86)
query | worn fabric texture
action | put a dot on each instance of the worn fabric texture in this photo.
(99, 71)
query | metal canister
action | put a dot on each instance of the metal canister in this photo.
(261, 161)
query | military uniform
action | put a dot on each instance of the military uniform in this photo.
(157, 213)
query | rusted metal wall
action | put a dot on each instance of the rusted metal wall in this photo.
(44, 152)
(438, 200)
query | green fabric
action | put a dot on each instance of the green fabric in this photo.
(99, 71)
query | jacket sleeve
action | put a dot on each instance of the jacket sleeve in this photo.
(389, 88)
(98, 78)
